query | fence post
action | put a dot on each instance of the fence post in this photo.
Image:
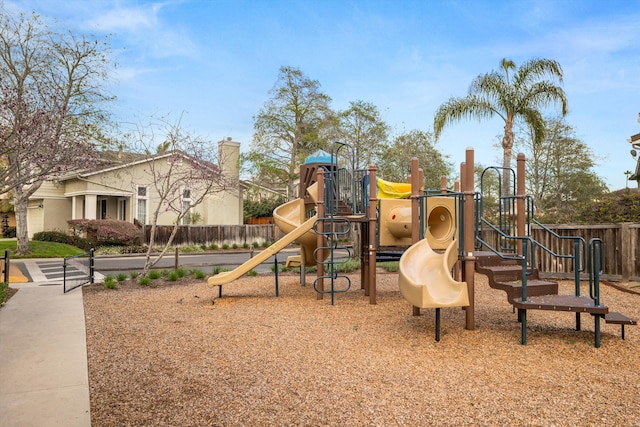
(7, 260)
(625, 256)
(92, 266)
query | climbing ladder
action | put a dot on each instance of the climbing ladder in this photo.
(510, 265)
(340, 201)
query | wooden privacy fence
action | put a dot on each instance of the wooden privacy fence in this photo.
(214, 234)
(620, 243)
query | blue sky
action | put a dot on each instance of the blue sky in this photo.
(215, 61)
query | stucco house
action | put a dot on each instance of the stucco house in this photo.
(125, 190)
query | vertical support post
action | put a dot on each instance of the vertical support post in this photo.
(414, 179)
(457, 268)
(438, 324)
(7, 260)
(364, 257)
(520, 200)
(373, 218)
(319, 234)
(176, 260)
(275, 264)
(92, 265)
(522, 314)
(469, 263)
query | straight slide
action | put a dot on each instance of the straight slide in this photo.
(425, 277)
(229, 276)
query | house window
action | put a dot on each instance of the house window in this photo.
(186, 205)
(141, 201)
(122, 209)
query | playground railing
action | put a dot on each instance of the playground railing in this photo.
(527, 259)
(579, 245)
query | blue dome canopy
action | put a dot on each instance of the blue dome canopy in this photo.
(319, 156)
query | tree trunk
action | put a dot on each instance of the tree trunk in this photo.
(507, 147)
(22, 229)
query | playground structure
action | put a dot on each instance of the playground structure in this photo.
(438, 237)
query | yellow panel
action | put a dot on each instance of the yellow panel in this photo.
(395, 222)
(393, 190)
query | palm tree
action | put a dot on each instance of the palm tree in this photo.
(511, 97)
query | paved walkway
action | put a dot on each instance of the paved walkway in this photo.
(43, 358)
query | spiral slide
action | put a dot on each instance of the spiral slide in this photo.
(425, 277)
(290, 218)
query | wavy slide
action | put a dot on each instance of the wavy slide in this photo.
(290, 218)
(425, 277)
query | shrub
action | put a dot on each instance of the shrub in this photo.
(109, 282)
(256, 245)
(245, 245)
(106, 231)
(181, 272)
(217, 270)
(145, 281)
(121, 277)
(199, 274)
(60, 237)
(133, 275)
(9, 232)
(173, 276)
(265, 244)
(213, 246)
(252, 273)
(154, 274)
(225, 246)
(234, 246)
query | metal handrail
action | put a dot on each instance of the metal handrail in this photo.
(579, 255)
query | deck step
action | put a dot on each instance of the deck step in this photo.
(535, 287)
(616, 318)
(577, 304)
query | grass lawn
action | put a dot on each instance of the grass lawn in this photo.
(41, 249)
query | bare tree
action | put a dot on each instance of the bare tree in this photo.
(182, 175)
(50, 107)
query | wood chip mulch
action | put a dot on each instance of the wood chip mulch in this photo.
(173, 355)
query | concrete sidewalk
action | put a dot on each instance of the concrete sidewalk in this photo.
(43, 358)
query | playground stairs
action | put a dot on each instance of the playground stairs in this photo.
(506, 275)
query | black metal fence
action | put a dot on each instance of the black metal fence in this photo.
(78, 270)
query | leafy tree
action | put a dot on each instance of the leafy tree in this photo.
(50, 107)
(509, 96)
(559, 169)
(395, 161)
(362, 128)
(288, 128)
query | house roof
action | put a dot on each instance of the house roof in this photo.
(114, 160)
